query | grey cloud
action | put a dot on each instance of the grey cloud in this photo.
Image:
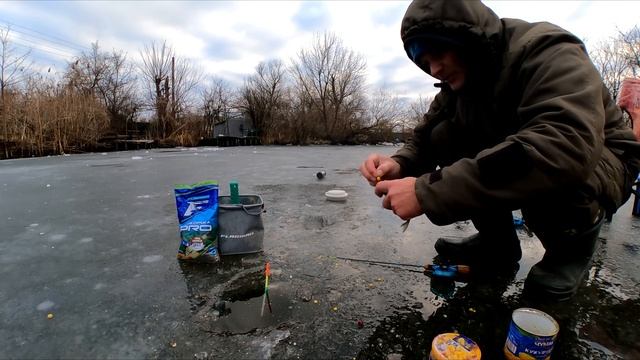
(399, 60)
(257, 41)
(581, 11)
(391, 17)
(422, 83)
(312, 16)
(265, 42)
(221, 49)
(418, 85)
(128, 22)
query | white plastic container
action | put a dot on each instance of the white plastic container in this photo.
(336, 195)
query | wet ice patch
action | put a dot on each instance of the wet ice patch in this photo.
(151, 258)
(136, 158)
(86, 240)
(143, 196)
(45, 305)
(33, 225)
(268, 343)
(99, 286)
(57, 237)
(632, 248)
(143, 223)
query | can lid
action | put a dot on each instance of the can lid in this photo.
(535, 322)
(450, 346)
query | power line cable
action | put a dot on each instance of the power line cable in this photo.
(41, 44)
(36, 48)
(46, 37)
(43, 47)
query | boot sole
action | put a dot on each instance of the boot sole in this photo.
(536, 291)
(478, 257)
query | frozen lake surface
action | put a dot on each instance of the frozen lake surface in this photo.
(89, 270)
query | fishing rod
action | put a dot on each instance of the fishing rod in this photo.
(379, 262)
(440, 271)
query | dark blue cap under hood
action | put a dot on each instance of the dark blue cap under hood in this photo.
(466, 24)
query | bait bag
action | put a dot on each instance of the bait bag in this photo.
(197, 206)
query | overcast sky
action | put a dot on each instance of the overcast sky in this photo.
(228, 39)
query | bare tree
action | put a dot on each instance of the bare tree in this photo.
(332, 78)
(631, 39)
(14, 69)
(384, 110)
(88, 71)
(170, 83)
(611, 60)
(156, 70)
(217, 100)
(186, 78)
(118, 92)
(261, 97)
(303, 120)
(14, 66)
(109, 77)
(417, 109)
(382, 117)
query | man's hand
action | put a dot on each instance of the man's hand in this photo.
(634, 114)
(379, 167)
(400, 197)
(629, 101)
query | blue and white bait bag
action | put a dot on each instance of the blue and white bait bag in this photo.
(197, 206)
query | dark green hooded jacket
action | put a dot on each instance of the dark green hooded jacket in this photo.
(534, 116)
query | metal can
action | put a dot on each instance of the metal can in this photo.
(532, 334)
(450, 346)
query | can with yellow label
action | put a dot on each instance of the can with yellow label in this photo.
(453, 346)
(531, 336)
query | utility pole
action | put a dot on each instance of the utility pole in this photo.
(173, 87)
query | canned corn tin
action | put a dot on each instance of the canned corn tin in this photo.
(452, 346)
(531, 335)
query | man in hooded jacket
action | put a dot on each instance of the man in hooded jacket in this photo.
(522, 121)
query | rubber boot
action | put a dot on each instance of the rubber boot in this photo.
(495, 244)
(565, 263)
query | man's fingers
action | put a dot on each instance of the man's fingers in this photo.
(364, 172)
(382, 170)
(382, 188)
(372, 164)
(367, 174)
(386, 203)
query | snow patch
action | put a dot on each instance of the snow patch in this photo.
(45, 305)
(152, 258)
